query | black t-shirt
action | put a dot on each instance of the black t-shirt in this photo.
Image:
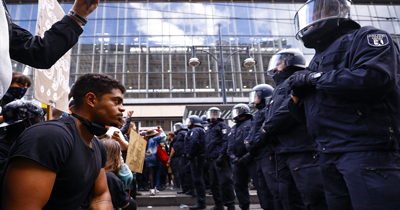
(118, 194)
(4, 150)
(57, 145)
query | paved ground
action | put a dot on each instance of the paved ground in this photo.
(252, 207)
(170, 200)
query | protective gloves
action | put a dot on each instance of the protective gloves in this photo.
(220, 161)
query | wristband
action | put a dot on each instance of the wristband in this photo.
(78, 17)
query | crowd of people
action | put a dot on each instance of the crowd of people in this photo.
(326, 137)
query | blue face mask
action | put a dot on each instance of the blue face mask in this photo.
(125, 175)
(17, 92)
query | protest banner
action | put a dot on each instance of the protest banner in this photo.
(51, 85)
(136, 152)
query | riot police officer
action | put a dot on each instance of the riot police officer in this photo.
(204, 122)
(295, 150)
(221, 182)
(179, 155)
(174, 157)
(350, 99)
(195, 139)
(259, 97)
(244, 167)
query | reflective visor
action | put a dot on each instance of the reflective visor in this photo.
(235, 113)
(188, 122)
(276, 63)
(317, 10)
(213, 114)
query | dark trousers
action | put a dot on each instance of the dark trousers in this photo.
(361, 180)
(221, 183)
(142, 178)
(196, 167)
(175, 171)
(299, 173)
(183, 178)
(241, 175)
(267, 171)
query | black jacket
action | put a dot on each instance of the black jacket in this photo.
(179, 142)
(195, 142)
(356, 104)
(262, 149)
(286, 133)
(217, 139)
(43, 52)
(236, 138)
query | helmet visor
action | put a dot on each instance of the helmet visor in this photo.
(235, 113)
(177, 127)
(213, 114)
(254, 97)
(188, 122)
(276, 63)
(317, 10)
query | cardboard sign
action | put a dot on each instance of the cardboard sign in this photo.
(51, 85)
(136, 152)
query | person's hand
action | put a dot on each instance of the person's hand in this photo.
(248, 146)
(129, 114)
(81, 7)
(300, 79)
(264, 136)
(115, 136)
(244, 159)
(169, 161)
(159, 127)
(150, 154)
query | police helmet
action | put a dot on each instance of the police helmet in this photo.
(240, 110)
(318, 18)
(193, 120)
(213, 113)
(284, 59)
(204, 119)
(260, 93)
(178, 126)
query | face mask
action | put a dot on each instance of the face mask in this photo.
(94, 129)
(260, 105)
(17, 92)
(213, 121)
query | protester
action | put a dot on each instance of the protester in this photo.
(20, 45)
(349, 99)
(58, 164)
(120, 198)
(18, 116)
(259, 97)
(152, 164)
(221, 182)
(19, 85)
(295, 151)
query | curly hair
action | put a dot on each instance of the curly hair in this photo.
(98, 84)
(114, 162)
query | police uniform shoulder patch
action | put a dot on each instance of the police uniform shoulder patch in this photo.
(377, 40)
(224, 131)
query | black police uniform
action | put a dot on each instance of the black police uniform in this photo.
(221, 182)
(353, 114)
(206, 177)
(265, 160)
(300, 179)
(246, 168)
(195, 145)
(180, 156)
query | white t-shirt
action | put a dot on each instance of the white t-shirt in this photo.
(5, 61)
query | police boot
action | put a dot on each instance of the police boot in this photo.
(181, 192)
(218, 207)
(198, 206)
(191, 192)
(231, 207)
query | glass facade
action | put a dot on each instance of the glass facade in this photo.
(147, 45)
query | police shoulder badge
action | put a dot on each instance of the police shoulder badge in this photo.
(377, 40)
(224, 131)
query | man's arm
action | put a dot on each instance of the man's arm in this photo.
(27, 185)
(101, 198)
